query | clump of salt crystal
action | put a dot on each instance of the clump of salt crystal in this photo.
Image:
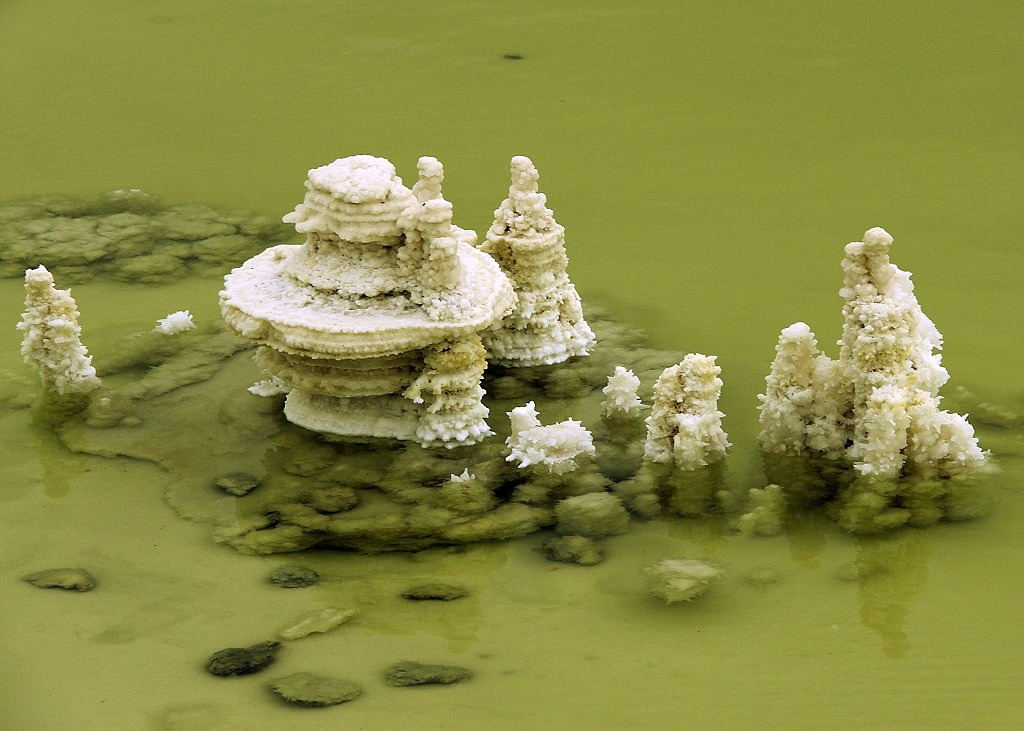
(174, 323)
(52, 337)
(555, 448)
(621, 400)
(685, 425)
(876, 408)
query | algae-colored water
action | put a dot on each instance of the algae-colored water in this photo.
(708, 161)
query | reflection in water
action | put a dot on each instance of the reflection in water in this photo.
(889, 573)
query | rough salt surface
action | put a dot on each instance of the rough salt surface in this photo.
(52, 336)
(876, 408)
(556, 448)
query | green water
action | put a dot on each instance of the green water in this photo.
(708, 162)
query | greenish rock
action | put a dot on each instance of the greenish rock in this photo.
(68, 579)
(332, 499)
(594, 515)
(413, 673)
(681, 579)
(574, 549)
(314, 691)
(293, 576)
(242, 660)
(237, 483)
(435, 592)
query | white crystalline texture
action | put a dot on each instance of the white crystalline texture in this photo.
(881, 396)
(685, 425)
(372, 325)
(548, 324)
(555, 448)
(52, 336)
(174, 323)
(620, 394)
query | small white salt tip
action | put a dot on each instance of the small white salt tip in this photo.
(174, 323)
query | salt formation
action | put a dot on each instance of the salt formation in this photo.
(373, 325)
(875, 408)
(52, 337)
(174, 323)
(555, 448)
(547, 326)
(685, 425)
(621, 400)
(685, 442)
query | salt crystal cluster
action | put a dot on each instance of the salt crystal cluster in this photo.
(373, 324)
(555, 448)
(52, 337)
(175, 323)
(876, 408)
(547, 325)
(621, 400)
(685, 425)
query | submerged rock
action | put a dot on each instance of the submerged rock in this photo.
(314, 691)
(414, 673)
(242, 660)
(293, 576)
(69, 579)
(574, 549)
(237, 483)
(436, 592)
(681, 579)
(595, 515)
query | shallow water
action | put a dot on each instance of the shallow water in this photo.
(709, 164)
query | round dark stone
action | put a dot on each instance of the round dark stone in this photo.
(293, 576)
(242, 660)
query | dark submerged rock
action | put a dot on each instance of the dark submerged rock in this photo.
(314, 691)
(413, 673)
(293, 576)
(435, 592)
(242, 660)
(69, 579)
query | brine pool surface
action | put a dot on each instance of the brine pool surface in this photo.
(709, 162)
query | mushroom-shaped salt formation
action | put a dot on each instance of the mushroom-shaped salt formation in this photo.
(547, 325)
(875, 409)
(52, 337)
(372, 325)
(555, 448)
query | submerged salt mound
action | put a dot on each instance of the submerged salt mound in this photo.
(128, 235)
(875, 409)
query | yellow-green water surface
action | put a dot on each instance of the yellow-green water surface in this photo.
(709, 161)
